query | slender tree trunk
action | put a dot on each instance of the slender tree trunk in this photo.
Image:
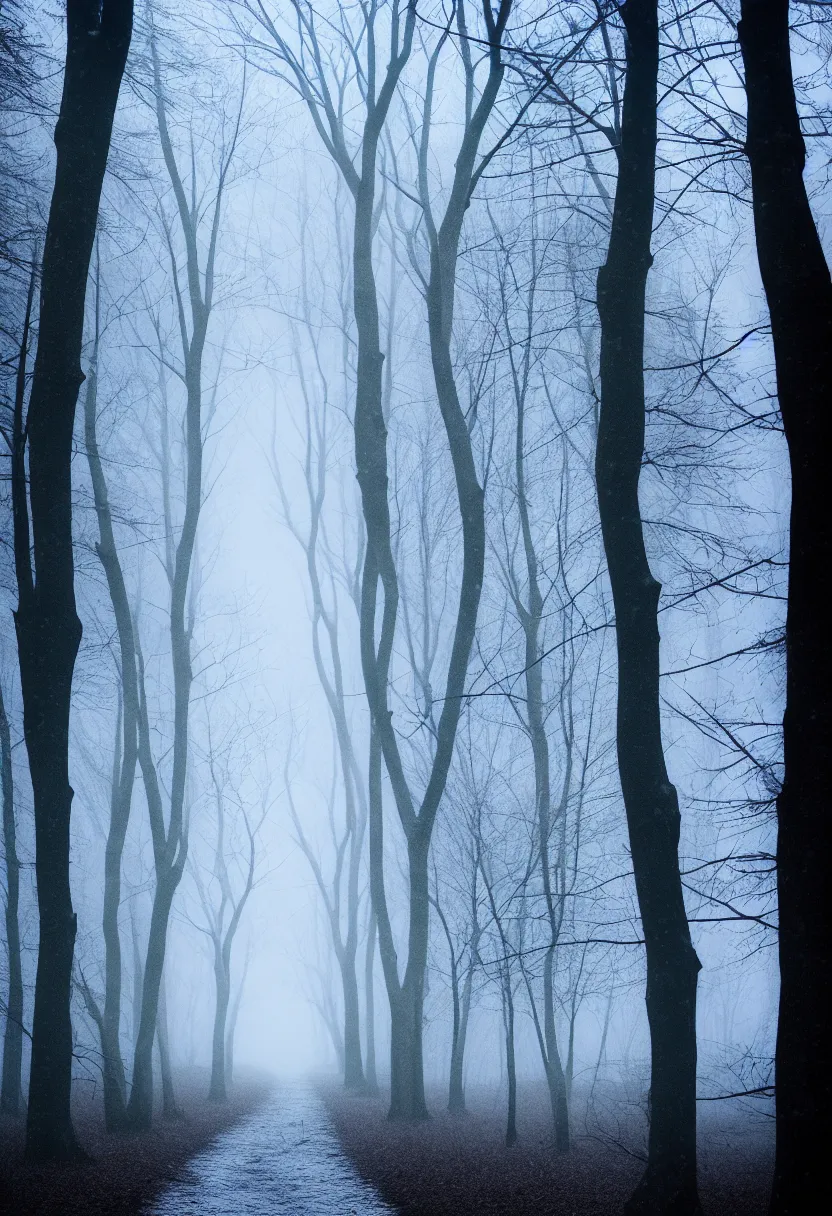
(570, 1055)
(170, 1110)
(48, 628)
(140, 1107)
(669, 1183)
(407, 1078)
(456, 1097)
(456, 1087)
(602, 1046)
(370, 1072)
(11, 1092)
(115, 1096)
(231, 1026)
(217, 1090)
(138, 979)
(511, 1066)
(353, 1068)
(796, 279)
(555, 1078)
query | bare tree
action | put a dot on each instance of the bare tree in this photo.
(417, 816)
(11, 1093)
(322, 85)
(331, 566)
(125, 753)
(47, 624)
(669, 1182)
(223, 905)
(795, 275)
(193, 304)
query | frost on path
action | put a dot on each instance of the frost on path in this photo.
(284, 1160)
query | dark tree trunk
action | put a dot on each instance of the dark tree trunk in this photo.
(11, 1093)
(797, 283)
(669, 1183)
(48, 629)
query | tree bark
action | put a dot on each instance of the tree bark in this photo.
(669, 1183)
(370, 1073)
(140, 1106)
(11, 1092)
(170, 1110)
(456, 1086)
(217, 1091)
(48, 628)
(798, 290)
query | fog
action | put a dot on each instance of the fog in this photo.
(406, 869)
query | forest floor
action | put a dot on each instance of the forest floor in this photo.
(124, 1173)
(459, 1166)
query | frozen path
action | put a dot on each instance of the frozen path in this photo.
(283, 1160)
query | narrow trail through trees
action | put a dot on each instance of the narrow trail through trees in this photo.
(284, 1158)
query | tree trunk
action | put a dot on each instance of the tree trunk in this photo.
(456, 1097)
(140, 1106)
(115, 1096)
(353, 1067)
(797, 284)
(370, 1073)
(407, 1085)
(511, 1066)
(669, 1182)
(11, 1093)
(48, 629)
(407, 1081)
(138, 979)
(169, 1108)
(217, 1090)
(456, 1087)
(555, 1078)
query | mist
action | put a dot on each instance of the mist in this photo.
(394, 648)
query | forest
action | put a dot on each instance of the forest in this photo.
(415, 563)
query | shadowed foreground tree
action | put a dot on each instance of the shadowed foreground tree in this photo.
(47, 624)
(669, 1183)
(11, 1092)
(798, 289)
